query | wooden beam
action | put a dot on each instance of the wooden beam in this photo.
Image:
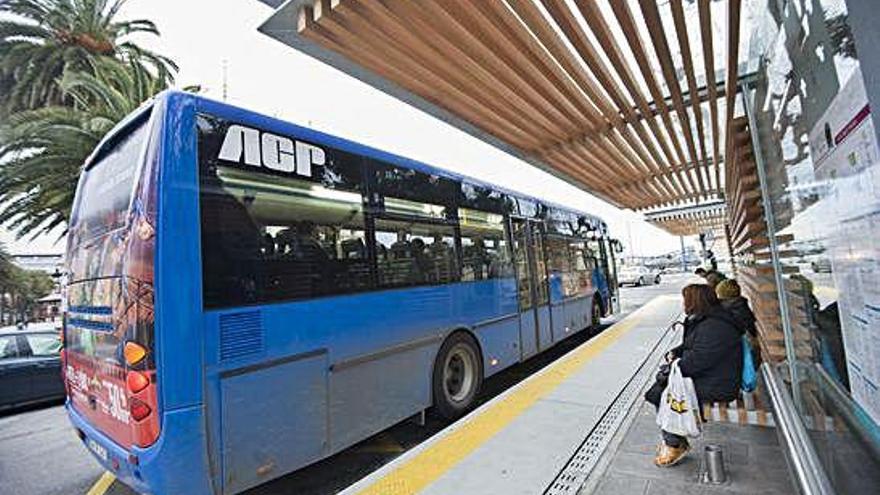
(731, 75)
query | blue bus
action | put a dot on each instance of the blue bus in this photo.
(247, 296)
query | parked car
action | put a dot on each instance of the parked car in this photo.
(30, 366)
(638, 276)
(821, 265)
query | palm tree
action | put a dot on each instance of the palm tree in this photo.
(7, 277)
(42, 150)
(42, 39)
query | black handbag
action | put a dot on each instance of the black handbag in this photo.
(654, 393)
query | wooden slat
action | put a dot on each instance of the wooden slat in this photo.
(731, 76)
(565, 19)
(627, 23)
(551, 79)
(401, 67)
(684, 45)
(590, 12)
(545, 33)
(467, 55)
(661, 47)
(705, 12)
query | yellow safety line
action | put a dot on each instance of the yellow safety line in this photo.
(100, 487)
(424, 468)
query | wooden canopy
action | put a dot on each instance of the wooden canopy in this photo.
(623, 98)
(690, 220)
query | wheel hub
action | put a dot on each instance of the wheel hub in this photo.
(459, 373)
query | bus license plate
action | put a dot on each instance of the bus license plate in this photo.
(99, 450)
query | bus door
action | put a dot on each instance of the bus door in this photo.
(535, 331)
(609, 265)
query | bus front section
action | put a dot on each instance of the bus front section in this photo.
(109, 358)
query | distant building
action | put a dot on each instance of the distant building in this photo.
(48, 307)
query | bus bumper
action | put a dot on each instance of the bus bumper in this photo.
(179, 466)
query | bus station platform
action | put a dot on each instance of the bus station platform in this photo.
(580, 426)
(753, 459)
(546, 434)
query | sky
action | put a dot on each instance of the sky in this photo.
(264, 75)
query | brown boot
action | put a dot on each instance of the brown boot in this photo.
(670, 456)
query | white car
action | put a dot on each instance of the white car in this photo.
(637, 276)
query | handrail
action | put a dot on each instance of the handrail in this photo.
(808, 472)
(852, 414)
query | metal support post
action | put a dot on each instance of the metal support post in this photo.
(684, 265)
(770, 218)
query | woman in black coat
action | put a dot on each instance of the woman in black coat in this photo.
(730, 295)
(710, 354)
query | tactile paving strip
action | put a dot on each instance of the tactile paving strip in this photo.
(575, 473)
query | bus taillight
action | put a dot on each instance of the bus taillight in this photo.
(136, 381)
(139, 410)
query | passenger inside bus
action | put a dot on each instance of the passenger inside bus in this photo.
(300, 242)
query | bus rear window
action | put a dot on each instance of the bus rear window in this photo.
(106, 188)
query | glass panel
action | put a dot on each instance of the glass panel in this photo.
(411, 253)
(485, 253)
(411, 184)
(105, 189)
(540, 264)
(485, 199)
(559, 263)
(583, 263)
(8, 347)
(44, 345)
(524, 280)
(414, 208)
(818, 144)
(267, 238)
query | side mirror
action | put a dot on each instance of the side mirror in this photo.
(617, 246)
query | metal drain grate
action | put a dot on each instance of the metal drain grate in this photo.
(573, 476)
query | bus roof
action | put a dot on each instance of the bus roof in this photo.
(284, 127)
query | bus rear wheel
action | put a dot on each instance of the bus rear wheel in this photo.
(458, 376)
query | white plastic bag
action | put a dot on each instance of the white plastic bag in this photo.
(679, 409)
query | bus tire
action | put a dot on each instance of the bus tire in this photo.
(458, 375)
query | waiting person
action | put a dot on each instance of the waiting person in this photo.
(730, 295)
(714, 278)
(710, 354)
(700, 272)
(710, 259)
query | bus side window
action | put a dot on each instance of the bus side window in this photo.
(559, 265)
(414, 253)
(268, 238)
(582, 266)
(485, 250)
